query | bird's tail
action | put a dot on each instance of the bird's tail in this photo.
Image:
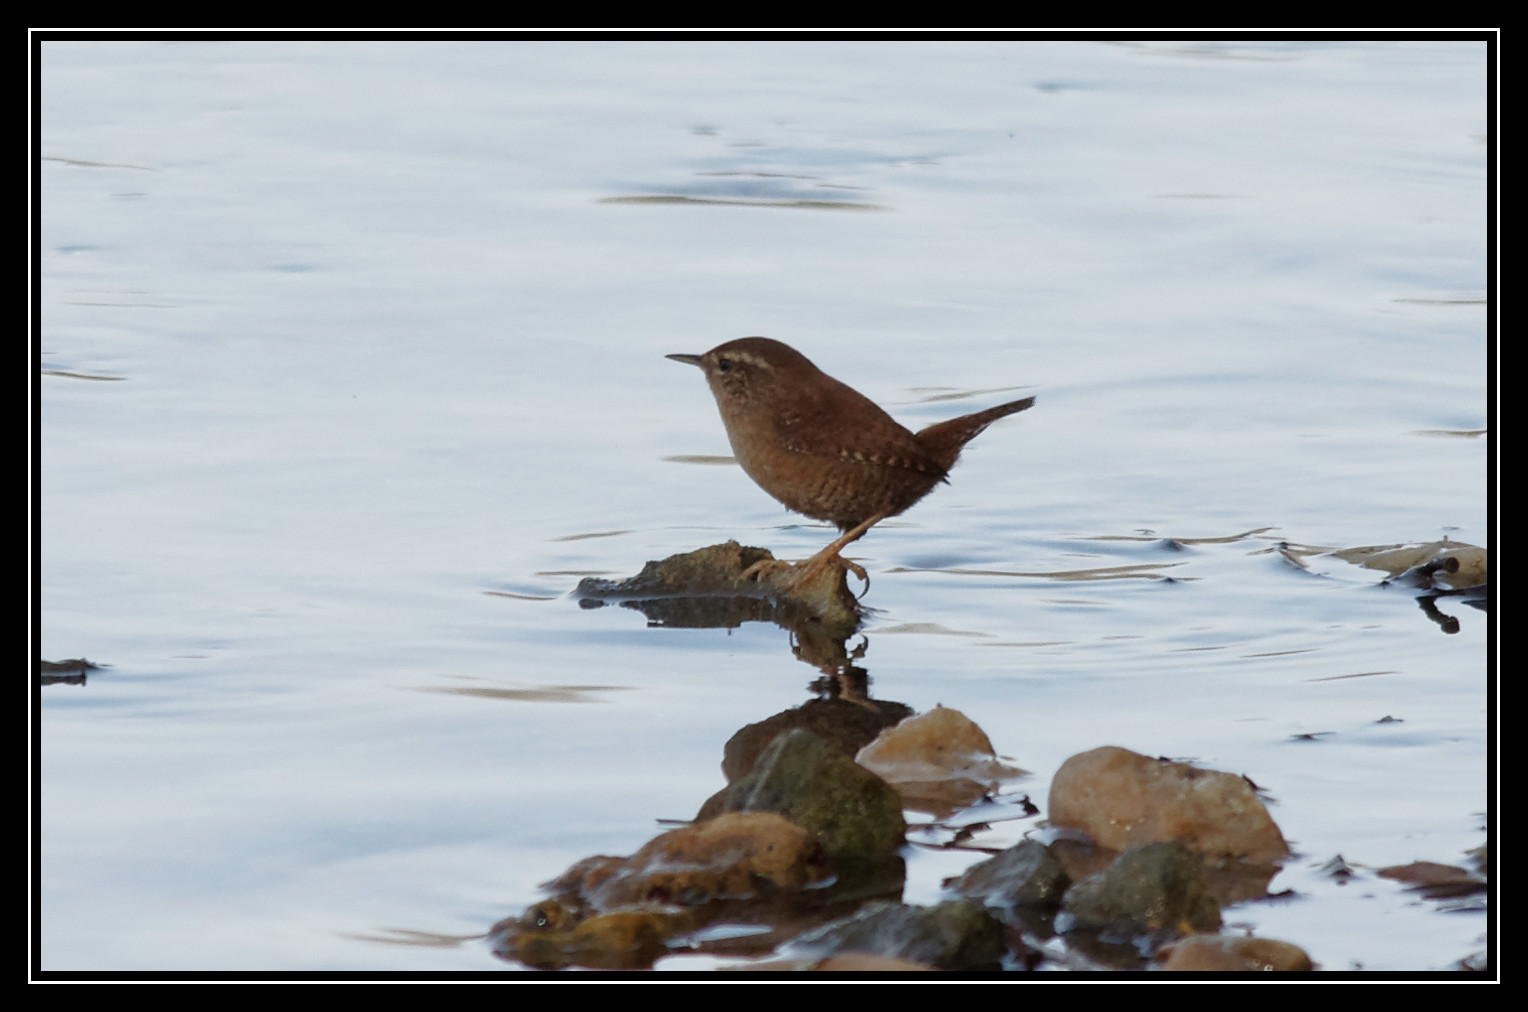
(944, 440)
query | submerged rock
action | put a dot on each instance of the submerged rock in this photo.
(70, 672)
(1440, 565)
(853, 962)
(955, 935)
(621, 940)
(1435, 881)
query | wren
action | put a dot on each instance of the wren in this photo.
(822, 448)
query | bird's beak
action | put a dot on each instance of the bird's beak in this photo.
(686, 359)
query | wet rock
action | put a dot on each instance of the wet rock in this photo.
(1081, 857)
(854, 813)
(859, 962)
(1024, 875)
(1122, 799)
(1435, 565)
(1435, 881)
(1222, 953)
(1441, 565)
(715, 585)
(621, 940)
(618, 912)
(1475, 962)
(76, 665)
(1155, 888)
(845, 726)
(853, 962)
(955, 935)
(729, 857)
(713, 570)
(938, 761)
(70, 672)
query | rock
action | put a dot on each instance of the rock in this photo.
(854, 813)
(729, 857)
(615, 912)
(938, 761)
(622, 940)
(1025, 875)
(1155, 888)
(846, 726)
(955, 935)
(1220, 953)
(1122, 799)
(710, 571)
(1435, 881)
(1445, 565)
(713, 585)
(851, 962)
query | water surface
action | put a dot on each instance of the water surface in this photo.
(352, 363)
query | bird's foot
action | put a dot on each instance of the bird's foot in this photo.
(765, 571)
(799, 579)
(815, 567)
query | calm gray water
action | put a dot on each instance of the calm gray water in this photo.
(353, 364)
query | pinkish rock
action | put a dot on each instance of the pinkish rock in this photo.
(1123, 799)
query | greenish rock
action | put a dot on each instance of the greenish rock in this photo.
(1158, 888)
(854, 813)
(1024, 875)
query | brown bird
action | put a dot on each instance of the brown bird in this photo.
(822, 448)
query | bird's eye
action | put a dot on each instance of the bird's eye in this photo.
(724, 365)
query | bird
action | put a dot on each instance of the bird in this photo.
(822, 448)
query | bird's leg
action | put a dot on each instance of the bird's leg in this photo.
(808, 569)
(805, 572)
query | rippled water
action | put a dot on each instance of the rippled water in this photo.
(352, 365)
